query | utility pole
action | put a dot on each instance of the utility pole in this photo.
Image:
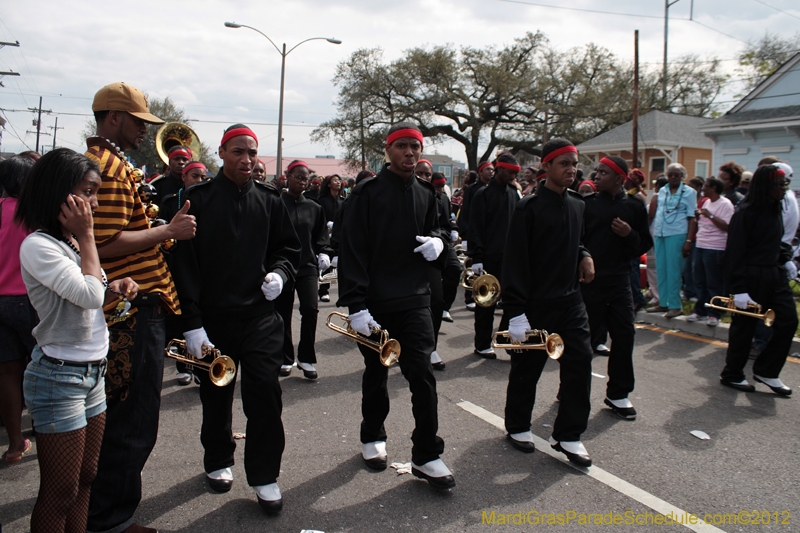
(361, 131)
(55, 131)
(667, 5)
(636, 99)
(38, 122)
(3, 74)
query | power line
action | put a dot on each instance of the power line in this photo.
(586, 10)
(8, 121)
(776, 9)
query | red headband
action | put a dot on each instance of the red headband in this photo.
(589, 183)
(399, 134)
(483, 165)
(555, 153)
(183, 151)
(316, 180)
(295, 164)
(608, 162)
(439, 181)
(509, 166)
(425, 161)
(196, 164)
(236, 133)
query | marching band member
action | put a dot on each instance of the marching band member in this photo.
(489, 222)
(170, 183)
(128, 247)
(308, 220)
(330, 199)
(228, 277)
(390, 239)
(485, 173)
(757, 269)
(544, 289)
(616, 231)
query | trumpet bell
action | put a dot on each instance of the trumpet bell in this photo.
(222, 371)
(552, 344)
(176, 134)
(390, 352)
(486, 290)
(769, 318)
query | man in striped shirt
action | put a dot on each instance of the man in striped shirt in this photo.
(128, 246)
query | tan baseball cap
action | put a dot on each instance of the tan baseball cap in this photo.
(122, 97)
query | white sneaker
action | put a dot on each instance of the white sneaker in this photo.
(325, 298)
(694, 317)
(374, 454)
(713, 321)
(471, 306)
(436, 473)
(269, 497)
(601, 348)
(184, 378)
(225, 474)
(446, 316)
(286, 370)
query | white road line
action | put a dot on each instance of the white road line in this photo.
(610, 480)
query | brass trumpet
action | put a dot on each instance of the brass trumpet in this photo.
(552, 344)
(485, 288)
(389, 349)
(330, 277)
(768, 317)
(222, 370)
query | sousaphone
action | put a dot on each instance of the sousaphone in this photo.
(176, 134)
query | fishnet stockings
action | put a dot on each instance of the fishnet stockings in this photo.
(67, 467)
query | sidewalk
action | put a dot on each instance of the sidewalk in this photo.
(719, 332)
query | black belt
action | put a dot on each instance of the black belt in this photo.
(60, 362)
(147, 299)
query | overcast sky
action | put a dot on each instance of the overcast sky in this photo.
(220, 76)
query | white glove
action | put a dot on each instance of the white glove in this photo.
(477, 268)
(453, 235)
(464, 244)
(430, 248)
(791, 269)
(323, 262)
(335, 262)
(330, 224)
(741, 300)
(195, 340)
(363, 322)
(272, 286)
(517, 327)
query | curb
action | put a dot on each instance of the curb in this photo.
(719, 332)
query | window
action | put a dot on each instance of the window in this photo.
(658, 164)
(446, 170)
(701, 168)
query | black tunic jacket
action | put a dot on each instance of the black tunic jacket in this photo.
(378, 268)
(309, 223)
(489, 219)
(466, 204)
(242, 235)
(543, 250)
(611, 253)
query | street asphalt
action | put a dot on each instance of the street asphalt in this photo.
(747, 470)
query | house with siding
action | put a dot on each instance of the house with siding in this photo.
(765, 122)
(664, 138)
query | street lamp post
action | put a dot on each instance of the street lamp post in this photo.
(283, 53)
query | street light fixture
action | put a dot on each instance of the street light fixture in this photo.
(283, 54)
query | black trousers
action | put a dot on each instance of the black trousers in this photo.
(255, 346)
(610, 306)
(413, 328)
(575, 373)
(306, 288)
(484, 316)
(437, 301)
(450, 278)
(769, 287)
(133, 394)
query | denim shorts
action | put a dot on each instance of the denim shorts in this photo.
(60, 398)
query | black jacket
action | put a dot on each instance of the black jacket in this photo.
(446, 221)
(754, 240)
(242, 235)
(489, 219)
(463, 213)
(540, 268)
(378, 268)
(309, 223)
(330, 205)
(611, 253)
(166, 185)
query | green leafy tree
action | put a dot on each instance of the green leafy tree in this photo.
(763, 57)
(146, 154)
(508, 98)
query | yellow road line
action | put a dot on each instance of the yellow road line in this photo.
(696, 338)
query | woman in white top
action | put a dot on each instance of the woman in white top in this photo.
(63, 384)
(713, 218)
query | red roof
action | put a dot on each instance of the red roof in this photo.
(319, 165)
